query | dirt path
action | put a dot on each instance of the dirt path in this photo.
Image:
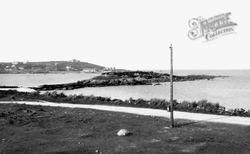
(148, 112)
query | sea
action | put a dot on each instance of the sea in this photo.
(231, 91)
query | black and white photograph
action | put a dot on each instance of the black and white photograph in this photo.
(124, 77)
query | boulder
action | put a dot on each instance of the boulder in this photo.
(123, 132)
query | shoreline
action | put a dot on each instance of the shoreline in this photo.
(197, 117)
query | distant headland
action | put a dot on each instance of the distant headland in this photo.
(51, 67)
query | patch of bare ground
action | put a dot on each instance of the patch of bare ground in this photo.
(48, 130)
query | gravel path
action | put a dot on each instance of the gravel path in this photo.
(148, 112)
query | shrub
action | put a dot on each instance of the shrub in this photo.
(201, 105)
(139, 101)
(183, 106)
(54, 94)
(46, 94)
(158, 103)
(193, 106)
(61, 95)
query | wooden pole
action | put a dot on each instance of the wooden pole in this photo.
(171, 87)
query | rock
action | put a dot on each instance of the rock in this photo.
(123, 132)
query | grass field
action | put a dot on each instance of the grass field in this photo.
(40, 129)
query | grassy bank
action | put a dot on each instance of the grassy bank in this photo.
(202, 106)
(48, 130)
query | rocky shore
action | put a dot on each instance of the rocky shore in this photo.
(124, 78)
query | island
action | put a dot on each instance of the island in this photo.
(122, 78)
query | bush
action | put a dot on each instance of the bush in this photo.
(46, 94)
(158, 103)
(54, 94)
(61, 95)
(183, 106)
(139, 101)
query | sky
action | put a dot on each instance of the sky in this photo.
(127, 34)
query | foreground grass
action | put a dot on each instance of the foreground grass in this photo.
(40, 129)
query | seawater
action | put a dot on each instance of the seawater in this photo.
(231, 92)
(30, 80)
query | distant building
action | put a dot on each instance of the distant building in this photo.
(14, 62)
(108, 69)
(75, 60)
(89, 70)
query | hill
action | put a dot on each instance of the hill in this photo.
(48, 66)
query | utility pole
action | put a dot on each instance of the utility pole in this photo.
(171, 87)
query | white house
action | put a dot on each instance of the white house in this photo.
(89, 70)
